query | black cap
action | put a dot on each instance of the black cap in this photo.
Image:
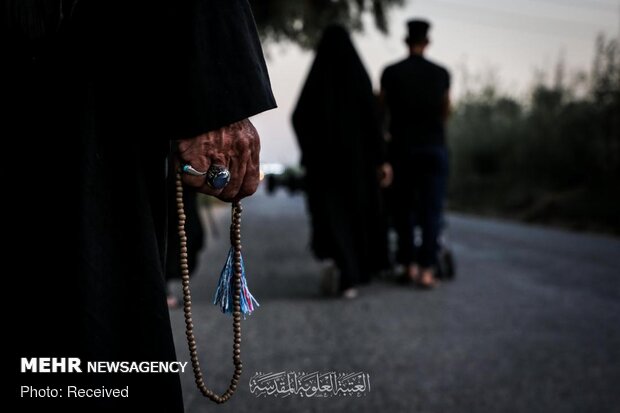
(418, 31)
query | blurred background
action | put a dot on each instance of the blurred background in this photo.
(530, 322)
(535, 90)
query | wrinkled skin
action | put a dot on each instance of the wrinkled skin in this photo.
(237, 147)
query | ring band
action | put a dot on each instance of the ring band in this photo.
(188, 169)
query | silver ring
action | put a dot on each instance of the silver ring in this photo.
(218, 176)
(188, 169)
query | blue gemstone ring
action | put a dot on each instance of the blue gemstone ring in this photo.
(218, 176)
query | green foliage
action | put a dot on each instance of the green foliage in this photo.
(555, 157)
(303, 21)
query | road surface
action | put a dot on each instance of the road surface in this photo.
(531, 324)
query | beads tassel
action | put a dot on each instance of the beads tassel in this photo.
(225, 288)
(233, 282)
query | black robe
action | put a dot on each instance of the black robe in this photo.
(94, 97)
(336, 124)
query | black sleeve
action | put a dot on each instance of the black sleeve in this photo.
(378, 149)
(168, 69)
(178, 68)
(226, 72)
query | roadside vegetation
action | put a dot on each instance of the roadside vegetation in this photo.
(553, 157)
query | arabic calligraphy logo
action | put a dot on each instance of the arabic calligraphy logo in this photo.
(315, 384)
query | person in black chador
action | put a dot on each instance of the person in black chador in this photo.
(96, 95)
(415, 96)
(337, 126)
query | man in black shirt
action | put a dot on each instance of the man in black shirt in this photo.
(415, 96)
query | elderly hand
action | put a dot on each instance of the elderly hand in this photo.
(235, 147)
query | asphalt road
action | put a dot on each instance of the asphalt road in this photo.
(531, 324)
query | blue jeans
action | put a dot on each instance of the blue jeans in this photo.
(419, 191)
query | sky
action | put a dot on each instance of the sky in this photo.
(504, 41)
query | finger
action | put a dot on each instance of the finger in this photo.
(208, 190)
(251, 178)
(237, 173)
